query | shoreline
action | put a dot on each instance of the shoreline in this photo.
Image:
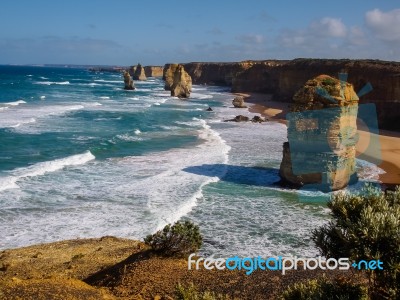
(389, 140)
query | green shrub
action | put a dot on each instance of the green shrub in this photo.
(329, 81)
(339, 289)
(190, 292)
(180, 239)
(366, 226)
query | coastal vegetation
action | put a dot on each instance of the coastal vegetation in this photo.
(179, 239)
(365, 227)
(322, 288)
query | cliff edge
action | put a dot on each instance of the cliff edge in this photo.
(282, 78)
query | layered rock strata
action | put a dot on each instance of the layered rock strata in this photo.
(282, 79)
(153, 71)
(322, 134)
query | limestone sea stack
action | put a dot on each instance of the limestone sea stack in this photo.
(177, 80)
(139, 73)
(322, 134)
(128, 81)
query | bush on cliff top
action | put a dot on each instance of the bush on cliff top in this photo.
(366, 226)
(190, 292)
(180, 239)
(328, 290)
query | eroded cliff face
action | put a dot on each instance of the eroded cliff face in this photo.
(216, 73)
(177, 80)
(322, 130)
(283, 78)
(153, 71)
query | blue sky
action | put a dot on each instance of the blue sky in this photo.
(156, 32)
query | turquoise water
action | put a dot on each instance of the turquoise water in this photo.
(80, 157)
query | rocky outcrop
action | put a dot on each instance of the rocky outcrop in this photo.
(241, 118)
(321, 132)
(132, 70)
(128, 81)
(168, 75)
(283, 78)
(139, 73)
(258, 119)
(238, 102)
(153, 71)
(177, 80)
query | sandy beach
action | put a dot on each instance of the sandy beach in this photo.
(389, 140)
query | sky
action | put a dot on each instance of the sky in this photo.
(157, 32)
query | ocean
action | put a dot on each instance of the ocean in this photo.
(80, 157)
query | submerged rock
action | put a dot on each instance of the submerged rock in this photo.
(258, 119)
(209, 109)
(128, 81)
(239, 118)
(238, 102)
(322, 136)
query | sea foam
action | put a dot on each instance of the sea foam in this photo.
(16, 103)
(42, 168)
(52, 82)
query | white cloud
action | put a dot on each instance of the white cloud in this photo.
(329, 27)
(385, 25)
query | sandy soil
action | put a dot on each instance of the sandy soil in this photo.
(389, 154)
(110, 268)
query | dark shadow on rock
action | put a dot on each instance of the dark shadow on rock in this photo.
(112, 275)
(258, 176)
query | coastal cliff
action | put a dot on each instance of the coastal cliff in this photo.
(153, 71)
(282, 79)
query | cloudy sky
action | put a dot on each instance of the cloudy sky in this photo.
(156, 32)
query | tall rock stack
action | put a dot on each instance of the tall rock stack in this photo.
(139, 73)
(177, 80)
(322, 134)
(128, 81)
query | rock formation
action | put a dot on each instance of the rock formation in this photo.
(322, 136)
(241, 118)
(128, 81)
(258, 119)
(153, 71)
(238, 102)
(177, 80)
(139, 73)
(283, 78)
(168, 75)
